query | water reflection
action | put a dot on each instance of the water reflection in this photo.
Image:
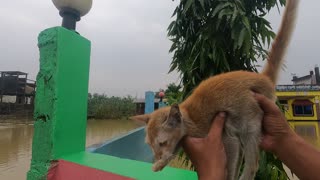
(99, 131)
(15, 150)
(16, 143)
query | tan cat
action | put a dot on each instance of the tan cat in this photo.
(230, 92)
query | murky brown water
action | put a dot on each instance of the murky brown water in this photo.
(16, 143)
(16, 140)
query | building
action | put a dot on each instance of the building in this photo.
(312, 79)
(140, 105)
(15, 89)
(301, 100)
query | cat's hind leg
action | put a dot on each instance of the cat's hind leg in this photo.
(250, 142)
(234, 156)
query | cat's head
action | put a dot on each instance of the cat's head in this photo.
(164, 131)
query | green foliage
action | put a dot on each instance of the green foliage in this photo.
(173, 93)
(210, 37)
(215, 36)
(104, 107)
(270, 168)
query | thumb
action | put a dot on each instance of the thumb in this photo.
(267, 105)
(217, 125)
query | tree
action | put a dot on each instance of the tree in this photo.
(210, 37)
(214, 36)
(173, 93)
(103, 107)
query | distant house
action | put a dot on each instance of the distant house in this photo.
(301, 100)
(15, 87)
(313, 78)
(140, 104)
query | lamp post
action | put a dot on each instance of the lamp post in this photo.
(71, 11)
(161, 95)
(60, 112)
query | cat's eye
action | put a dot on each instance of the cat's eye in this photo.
(163, 143)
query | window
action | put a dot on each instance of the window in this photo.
(306, 130)
(302, 108)
(283, 102)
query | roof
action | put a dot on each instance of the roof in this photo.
(301, 78)
(302, 102)
(297, 88)
(13, 72)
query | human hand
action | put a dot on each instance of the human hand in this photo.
(207, 154)
(276, 129)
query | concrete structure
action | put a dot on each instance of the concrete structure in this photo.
(141, 104)
(16, 93)
(58, 150)
(300, 102)
(15, 87)
(61, 100)
(312, 79)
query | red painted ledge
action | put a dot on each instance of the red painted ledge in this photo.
(64, 170)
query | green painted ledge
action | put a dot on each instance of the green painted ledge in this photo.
(129, 168)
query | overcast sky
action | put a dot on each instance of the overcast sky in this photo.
(129, 43)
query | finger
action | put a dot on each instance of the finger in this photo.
(266, 104)
(189, 141)
(217, 125)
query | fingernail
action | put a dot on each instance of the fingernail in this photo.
(222, 114)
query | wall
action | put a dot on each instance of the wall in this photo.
(9, 99)
(312, 96)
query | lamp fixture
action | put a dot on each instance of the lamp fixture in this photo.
(72, 10)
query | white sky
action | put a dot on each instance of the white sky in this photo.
(129, 41)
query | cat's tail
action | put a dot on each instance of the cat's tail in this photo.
(281, 42)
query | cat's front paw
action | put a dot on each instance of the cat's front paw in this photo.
(159, 165)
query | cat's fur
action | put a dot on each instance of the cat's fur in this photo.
(229, 92)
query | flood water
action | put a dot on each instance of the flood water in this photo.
(16, 141)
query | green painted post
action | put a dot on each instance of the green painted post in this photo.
(61, 98)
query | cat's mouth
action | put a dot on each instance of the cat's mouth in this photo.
(161, 163)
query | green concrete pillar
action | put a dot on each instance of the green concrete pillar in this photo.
(61, 98)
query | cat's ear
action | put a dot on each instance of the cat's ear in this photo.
(175, 118)
(143, 118)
